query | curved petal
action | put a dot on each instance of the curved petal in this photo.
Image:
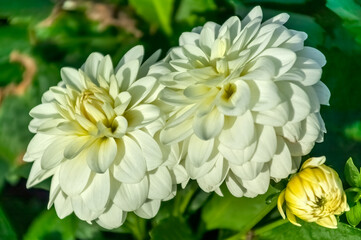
(130, 165)
(199, 150)
(74, 175)
(149, 209)
(160, 183)
(131, 196)
(238, 132)
(209, 125)
(96, 195)
(114, 217)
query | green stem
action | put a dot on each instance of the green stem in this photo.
(254, 221)
(182, 200)
(270, 226)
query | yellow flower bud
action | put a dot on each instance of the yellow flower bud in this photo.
(314, 194)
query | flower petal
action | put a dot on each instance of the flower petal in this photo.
(209, 125)
(199, 150)
(160, 183)
(131, 196)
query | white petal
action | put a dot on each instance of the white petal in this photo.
(45, 110)
(323, 93)
(72, 78)
(260, 184)
(199, 150)
(247, 171)
(310, 68)
(150, 149)
(234, 185)
(238, 132)
(267, 144)
(81, 209)
(141, 115)
(74, 175)
(102, 154)
(38, 175)
(149, 209)
(197, 172)
(140, 89)
(62, 204)
(130, 165)
(236, 156)
(90, 66)
(177, 133)
(130, 197)
(114, 217)
(127, 74)
(281, 164)
(105, 68)
(37, 146)
(265, 95)
(135, 53)
(234, 98)
(96, 194)
(278, 116)
(53, 154)
(188, 38)
(160, 183)
(209, 125)
(298, 99)
(283, 58)
(256, 12)
(313, 53)
(76, 145)
(214, 178)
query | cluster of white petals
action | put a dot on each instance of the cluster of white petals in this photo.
(97, 136)
(245, 100)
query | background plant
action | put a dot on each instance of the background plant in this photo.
(39, 37)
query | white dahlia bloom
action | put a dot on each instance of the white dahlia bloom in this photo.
(96, 136)
(246, 98)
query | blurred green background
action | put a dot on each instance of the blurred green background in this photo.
(38, 37)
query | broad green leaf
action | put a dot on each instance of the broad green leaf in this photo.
(172, 229)
(353, 131)
(156, 12)
(6, 230)
(346, 9)
(33, 10)
(277, 1)
(350, 12)
(354, 215)
(13, 37)
(49, 226)
(189, 10)
(310, 231)
(352, 174)
(239, 214)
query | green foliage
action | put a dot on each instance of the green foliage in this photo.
(350, 12)
(172, 228)
(49, 226)
(239, 214)
(156, 12)
(6, 230)
(310, 231)
(352, 174)
(67, 38)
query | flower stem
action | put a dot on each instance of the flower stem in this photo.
(270, 226)
(243, 234)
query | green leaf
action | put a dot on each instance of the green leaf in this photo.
(156, 12)
(352, 174)
(239, 214)
(6, 230)
(346, 9)
(49, 226)
(353, 131)
(277, 1)
(33, 10)
(354, 215)
(189, 10)
(310, 231)
(172, 229)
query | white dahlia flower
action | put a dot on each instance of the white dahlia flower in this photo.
(246, 98)
(96, 136)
